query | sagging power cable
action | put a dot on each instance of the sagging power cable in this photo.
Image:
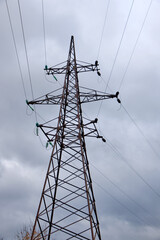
(106, 15)
(16, 49)
(117, 52)
(44, 33)
(119, 154)
(121, 190)
(26, 53)
(120, 203)
(135, 45)
(141, 132)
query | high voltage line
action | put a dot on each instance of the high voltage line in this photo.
(117, 52)
(139, 129)
(132, 53)
(141, 132)
(115, 198)
(118, 153)
(103, 29)
(16, 50)
(148, 142)
(45, 44)
(123, 158)
(135, 45)
(44, 33)
(26, 53)
(17, 55)
(121, 190)
(120, 203)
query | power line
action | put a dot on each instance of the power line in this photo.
(120, 203)
(120, 189)
(135, 45)
(44, 33)
(103, 29)
(141, 132)
(18, 60)
(120, 44)
(45, 45)
(138, 128)
(27, 59)
(109, 78)
(131, 167)
(114, 198)
(16, 50)
(115, 185)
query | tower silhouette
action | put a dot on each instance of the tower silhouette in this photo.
(67, 208)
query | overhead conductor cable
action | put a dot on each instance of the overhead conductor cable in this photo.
(109, 78)
(16, 50)
(27, 59)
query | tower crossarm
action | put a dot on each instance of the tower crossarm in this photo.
(53, 97)
(85, 97)
(87, 68)
(79, 67)
(56, 70)
(46, 100)
(89, 126)
(94, 95)
(90, 130)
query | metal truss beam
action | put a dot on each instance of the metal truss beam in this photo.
(67, 208)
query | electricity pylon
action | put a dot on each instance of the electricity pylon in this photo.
(67, 208)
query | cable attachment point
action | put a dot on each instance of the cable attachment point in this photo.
(96, 68)
(99, 74)
(37, 125)
(47, 143)
(46, 67)
(29, 105)
(103, 139)
(95, 120)
(55, 78)
(118, 100)
(96, 63)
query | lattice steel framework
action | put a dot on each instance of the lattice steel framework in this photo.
(67, 207)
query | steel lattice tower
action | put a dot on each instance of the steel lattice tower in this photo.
(67, 207)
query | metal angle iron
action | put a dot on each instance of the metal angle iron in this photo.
(67, 208)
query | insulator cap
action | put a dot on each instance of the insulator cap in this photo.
(96, 120)
(99, 74)
(46, 67)
(117, 93)
(96, 63)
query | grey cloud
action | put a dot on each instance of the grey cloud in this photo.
(23, 160)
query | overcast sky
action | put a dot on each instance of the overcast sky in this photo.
(126, 169)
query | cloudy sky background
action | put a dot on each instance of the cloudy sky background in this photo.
(125, 169)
